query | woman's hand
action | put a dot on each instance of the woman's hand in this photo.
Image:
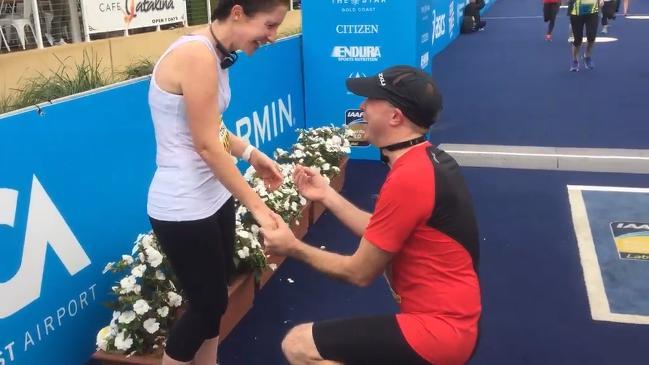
(266, 169)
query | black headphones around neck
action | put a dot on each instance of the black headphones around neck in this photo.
(400, 146)
(229, 57)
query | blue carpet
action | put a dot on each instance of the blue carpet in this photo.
(506, 85)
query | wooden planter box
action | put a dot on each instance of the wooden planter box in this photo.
(337, 184)
(108, 358)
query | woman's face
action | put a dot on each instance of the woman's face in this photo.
(261, 28)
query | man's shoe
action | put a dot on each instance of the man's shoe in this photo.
(548, 37)
(574, 66)
(588, 62)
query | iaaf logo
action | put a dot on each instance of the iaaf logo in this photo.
(356, 53)
(439, 26)
(45, 226)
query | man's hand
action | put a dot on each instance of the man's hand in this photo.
(310, 184)
(279, 240)
(266, 169)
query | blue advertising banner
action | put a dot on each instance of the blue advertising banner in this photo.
(357, 38)
(74, 178)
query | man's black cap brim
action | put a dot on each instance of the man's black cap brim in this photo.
(365, 86)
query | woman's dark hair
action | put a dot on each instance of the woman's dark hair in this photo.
(250, 7)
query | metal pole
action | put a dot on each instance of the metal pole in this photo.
(209, 11)
(37, 24)
(291, 5)
(74, 21)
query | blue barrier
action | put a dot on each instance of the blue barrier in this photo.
(346, 38)
(73, 188)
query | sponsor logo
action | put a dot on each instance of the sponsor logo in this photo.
(451, 18)
(356, 53)
(357, 28)
(358, 6)
(631, 240)
(439, 26)
(382, 79)
(267, 122)
(425, 59)
(425, 37)
(355, 122)
(45, 227)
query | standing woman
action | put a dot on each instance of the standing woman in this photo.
(190, 203)
(583, 13)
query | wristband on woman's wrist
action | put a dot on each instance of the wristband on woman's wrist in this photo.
(247, 152)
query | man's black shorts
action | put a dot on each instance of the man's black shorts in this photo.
(550, 11)
(373, 340)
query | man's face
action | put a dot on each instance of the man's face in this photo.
(377, 113)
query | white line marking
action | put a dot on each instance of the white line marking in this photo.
(608, 188)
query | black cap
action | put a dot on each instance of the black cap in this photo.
(407, 88)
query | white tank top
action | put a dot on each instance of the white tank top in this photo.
(183, 187)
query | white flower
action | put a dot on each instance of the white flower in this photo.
(103, 336)
(147, 241)
(123, 343)
(108, 267)
(254, 229)
(244, 252)
(299, 154)
(160, 275)
(151, 325)
(127, 284)
(126, 317)
(302, 200)
(163, 312)
(244, 234)
(336, 140)
(175, 300)
(326, 167)
(141, 306)
(153, 257)
(138, 271)
(137, 289)
(127, 259)
(254, 243)
(141, 257)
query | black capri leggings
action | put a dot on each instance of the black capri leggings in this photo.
(591, 21)
(201, 255)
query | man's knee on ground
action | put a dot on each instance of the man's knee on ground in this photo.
(298, 343)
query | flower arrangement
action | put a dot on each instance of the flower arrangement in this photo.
(322, 148)
(146, 298)
(148, 294)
